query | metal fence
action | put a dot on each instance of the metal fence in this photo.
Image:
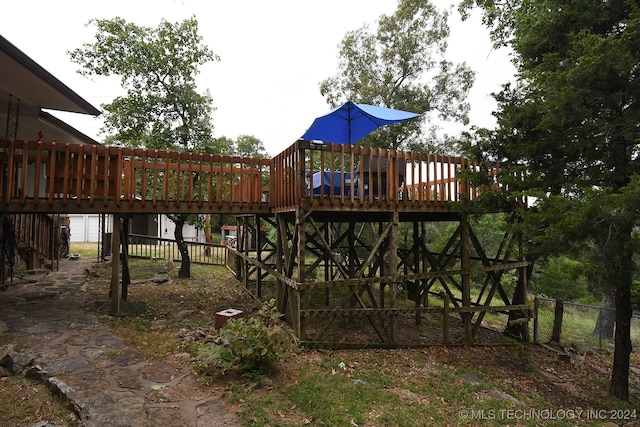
(579, 326)
(159, 248)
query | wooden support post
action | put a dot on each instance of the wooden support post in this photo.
(115, 266)
(281, 253)
(445, 320)
(416, 268)
(393, 272)
(259, 244)
(296, 300)
(466, 277)
(239, 240)
(246, 243)
(126, 277)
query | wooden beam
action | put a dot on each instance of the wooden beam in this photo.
(115, 266)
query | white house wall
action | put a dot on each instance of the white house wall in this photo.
(86, 228)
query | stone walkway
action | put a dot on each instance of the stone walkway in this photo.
(107, 383)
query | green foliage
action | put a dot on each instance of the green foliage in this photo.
(401, 64)
(157, 66)
(571, 120)
(251, 345)
(635, 295)
(563, 278)
(250, 146)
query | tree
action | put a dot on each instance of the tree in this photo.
(563, 278)
(250, 146)
(402, 66)
(572, 122)
(162, 108)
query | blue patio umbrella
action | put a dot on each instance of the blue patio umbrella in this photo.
(351, 122)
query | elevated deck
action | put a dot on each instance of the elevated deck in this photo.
(336, 210)
(55, 177)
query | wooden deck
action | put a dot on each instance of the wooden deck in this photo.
(55, 177)
(336, 210)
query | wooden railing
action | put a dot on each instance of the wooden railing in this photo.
(66, 178)
(36, 232)
(38, 175)
(161, 249)
(341, 175)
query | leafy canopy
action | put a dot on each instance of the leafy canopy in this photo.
(402, 65)
(157, 66)
(572, 124)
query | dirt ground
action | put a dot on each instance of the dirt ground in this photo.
(563, 377)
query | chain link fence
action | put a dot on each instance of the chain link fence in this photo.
(581, 325)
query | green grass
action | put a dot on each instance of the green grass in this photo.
(376, 391)
(86, 250)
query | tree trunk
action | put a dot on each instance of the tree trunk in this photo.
(516, 328)
(557, 321)
(620, 372)
(607, 317)
(619, 274)
(185, 267)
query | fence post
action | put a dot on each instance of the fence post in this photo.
(600, 327)
(536, 306)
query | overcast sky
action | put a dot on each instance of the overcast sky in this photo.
(273, 55)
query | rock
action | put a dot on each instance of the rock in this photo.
(37, 373)
(497, 394)
(16, 362)
(564, 357)
(161, 278)
(407, 395)
(471, 378)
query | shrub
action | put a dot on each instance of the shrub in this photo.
(250, 346)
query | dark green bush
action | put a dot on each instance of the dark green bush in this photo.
(250, 346)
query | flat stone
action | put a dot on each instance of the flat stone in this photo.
(165, 416)
(53, 351)
(160, 278)
(92, 352)
(471, 378)
(44, 328)
(164, 395)
(213, 414)
(10, 300)
(129, 357)
(17, 322)
(83, 322)
(78, 340)
(116, 409)
(32, 296)
(158, 374)
(44, 283)
(92, 381)
(407, 395)
(125, 378)
(68, 365)
(109, 341)
(497, 394)
(192, 389)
